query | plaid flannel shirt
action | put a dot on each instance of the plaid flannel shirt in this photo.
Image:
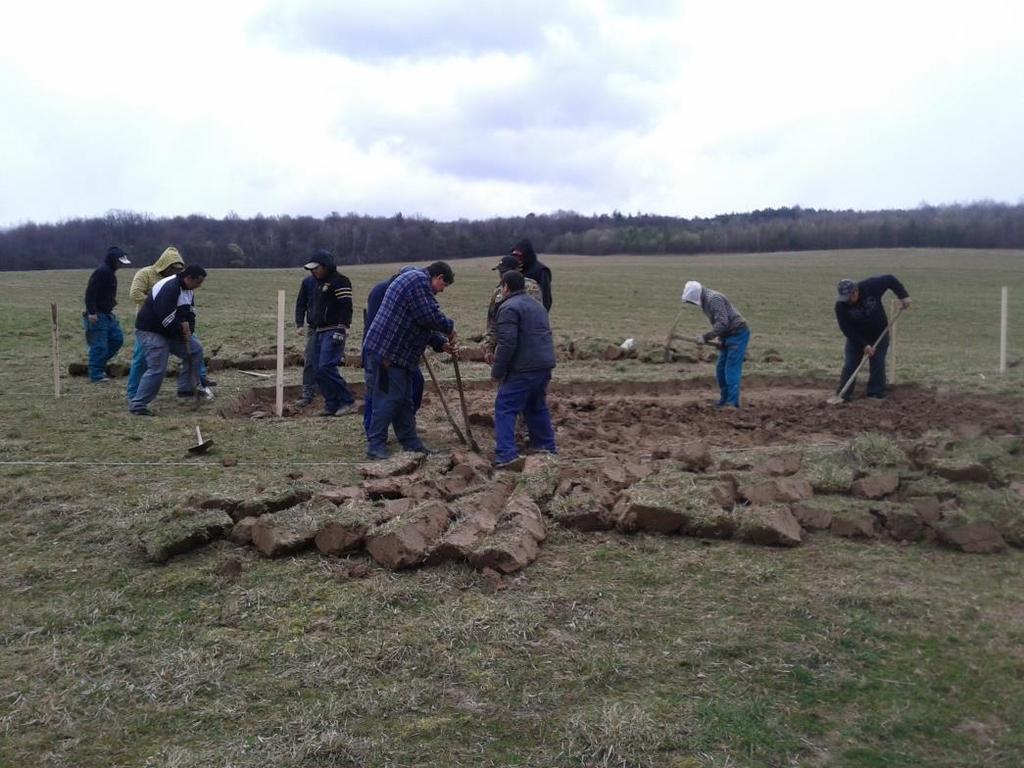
(409, 318)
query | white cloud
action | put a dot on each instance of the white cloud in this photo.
(452, 109)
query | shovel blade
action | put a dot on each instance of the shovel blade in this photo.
(202, 447)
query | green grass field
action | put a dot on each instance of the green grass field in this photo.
(607, 651)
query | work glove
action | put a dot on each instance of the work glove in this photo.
(699, 339)
(906, 302)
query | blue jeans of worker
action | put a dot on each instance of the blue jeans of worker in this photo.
(876, 368)
(729, 370)
(392, 389)
(417, 395)
(524, 393)
(104, 338)
(139, 367)
(157, 350)
(332, 386)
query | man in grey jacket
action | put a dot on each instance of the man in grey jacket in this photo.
(524, 357)
(732, 332)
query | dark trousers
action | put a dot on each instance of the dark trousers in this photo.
(391, 389)
(524, 393)
(417, 395)
(332, 386)
(876, 368)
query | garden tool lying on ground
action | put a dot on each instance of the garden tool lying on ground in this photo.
(839, 397)
(201, 445)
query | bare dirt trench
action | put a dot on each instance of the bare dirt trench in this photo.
(630, 418)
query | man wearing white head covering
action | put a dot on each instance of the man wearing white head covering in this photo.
(732, 332)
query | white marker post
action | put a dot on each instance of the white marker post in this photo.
(1005, 316)
(280, 354)
(892, 343)
(55, 350)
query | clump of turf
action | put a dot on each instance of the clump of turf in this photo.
(874, 450)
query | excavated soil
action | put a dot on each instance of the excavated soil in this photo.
(654, 457)
(644, 419)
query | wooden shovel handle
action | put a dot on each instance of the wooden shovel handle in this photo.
(444, 402)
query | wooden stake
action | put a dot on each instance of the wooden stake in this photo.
(55, 349)
(280, 354)
(1004, 317)
(892, 344)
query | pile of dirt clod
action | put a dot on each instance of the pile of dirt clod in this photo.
(961, 488)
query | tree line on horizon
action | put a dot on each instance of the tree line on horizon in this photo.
(286, 241)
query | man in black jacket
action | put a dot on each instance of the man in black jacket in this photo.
(533, 269)
(164, 326)
(330, 319)
(523, 360)
(862, 319)
(103, 332)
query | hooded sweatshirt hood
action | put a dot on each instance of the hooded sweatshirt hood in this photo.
(168, 258)
(691, 292)
(529, 255)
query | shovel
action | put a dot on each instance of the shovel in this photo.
(838, 398)
(201, 445)
(444, 402)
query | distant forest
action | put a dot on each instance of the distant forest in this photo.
(281, 241)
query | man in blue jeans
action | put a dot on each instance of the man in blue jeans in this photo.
(733, 334)
(524, 356)
(329, 318)
(102, 330)
(373, 302)
(165, 326)
(409, 318)
(860, 313)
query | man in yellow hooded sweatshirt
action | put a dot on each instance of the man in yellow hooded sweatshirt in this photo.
(169, 263)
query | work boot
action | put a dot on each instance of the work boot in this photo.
(347, 410)
(306, 399)
(512, 465)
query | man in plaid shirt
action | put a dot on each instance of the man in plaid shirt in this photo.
(409, 318)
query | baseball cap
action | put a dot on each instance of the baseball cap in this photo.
(319, 258)
(844, 288)
(506, 263)
(119, 254)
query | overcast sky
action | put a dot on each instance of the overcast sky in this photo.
(472, 109)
